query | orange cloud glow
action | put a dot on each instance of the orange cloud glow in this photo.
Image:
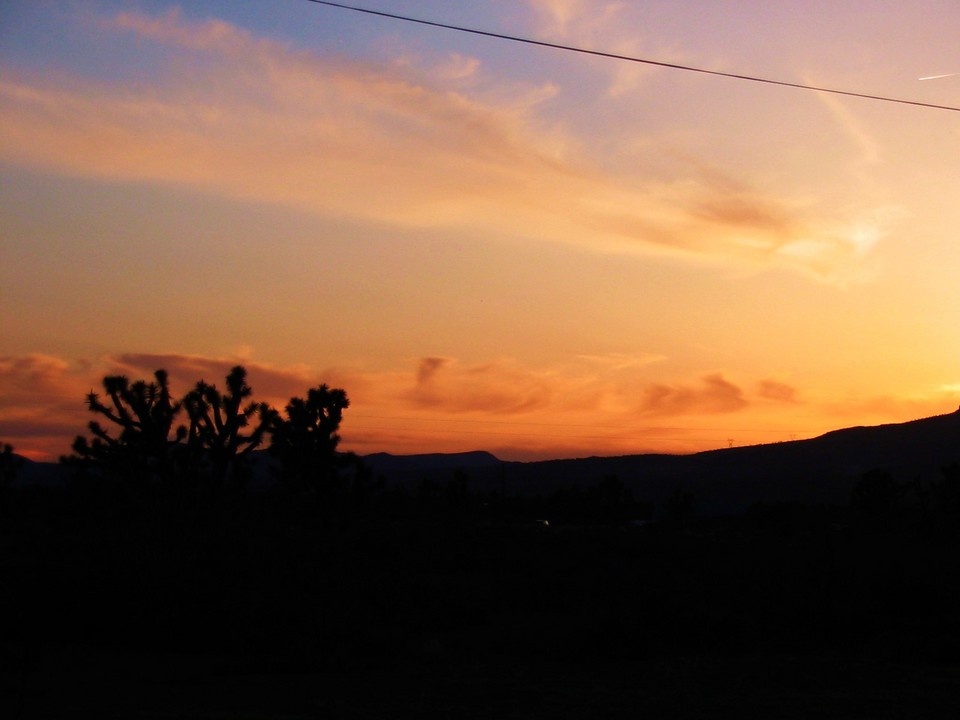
(486, 244)
(441, 405)
(715, 395)
(259, 121)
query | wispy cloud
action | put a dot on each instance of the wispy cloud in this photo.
(273, 384)
(42, 406)
(170, 28)
(714, 394)
(263, 121)
(496, 387)
(604, 26)
(457, 67)
(777, 391)
(557, 16)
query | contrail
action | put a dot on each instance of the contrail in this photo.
(936, 77)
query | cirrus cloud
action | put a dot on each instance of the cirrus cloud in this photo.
(260, 120)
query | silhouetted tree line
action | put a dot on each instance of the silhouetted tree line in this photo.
(206, 438)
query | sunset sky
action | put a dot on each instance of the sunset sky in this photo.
(488, 245)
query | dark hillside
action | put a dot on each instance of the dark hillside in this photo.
(818, 470)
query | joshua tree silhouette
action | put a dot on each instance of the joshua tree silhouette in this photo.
(144, 413)
(306, 440)
(224, 428)
(218, 421)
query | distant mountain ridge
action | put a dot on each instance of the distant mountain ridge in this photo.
(818, 470)
(432, 461)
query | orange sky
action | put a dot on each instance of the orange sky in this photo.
(488, 245)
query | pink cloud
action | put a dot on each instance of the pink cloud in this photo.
(271, 383)
(171, 28)
(43, 403)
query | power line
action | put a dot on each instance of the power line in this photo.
(630, 58)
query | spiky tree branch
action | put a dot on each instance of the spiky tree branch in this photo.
(143, 415)
(306, 440)
(218, 421)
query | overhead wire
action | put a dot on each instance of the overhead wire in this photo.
(631, 58)
(626, 58)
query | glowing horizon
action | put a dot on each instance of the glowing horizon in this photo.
(489, 247)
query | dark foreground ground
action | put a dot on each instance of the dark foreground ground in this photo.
(88, 682)
(140, 603)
